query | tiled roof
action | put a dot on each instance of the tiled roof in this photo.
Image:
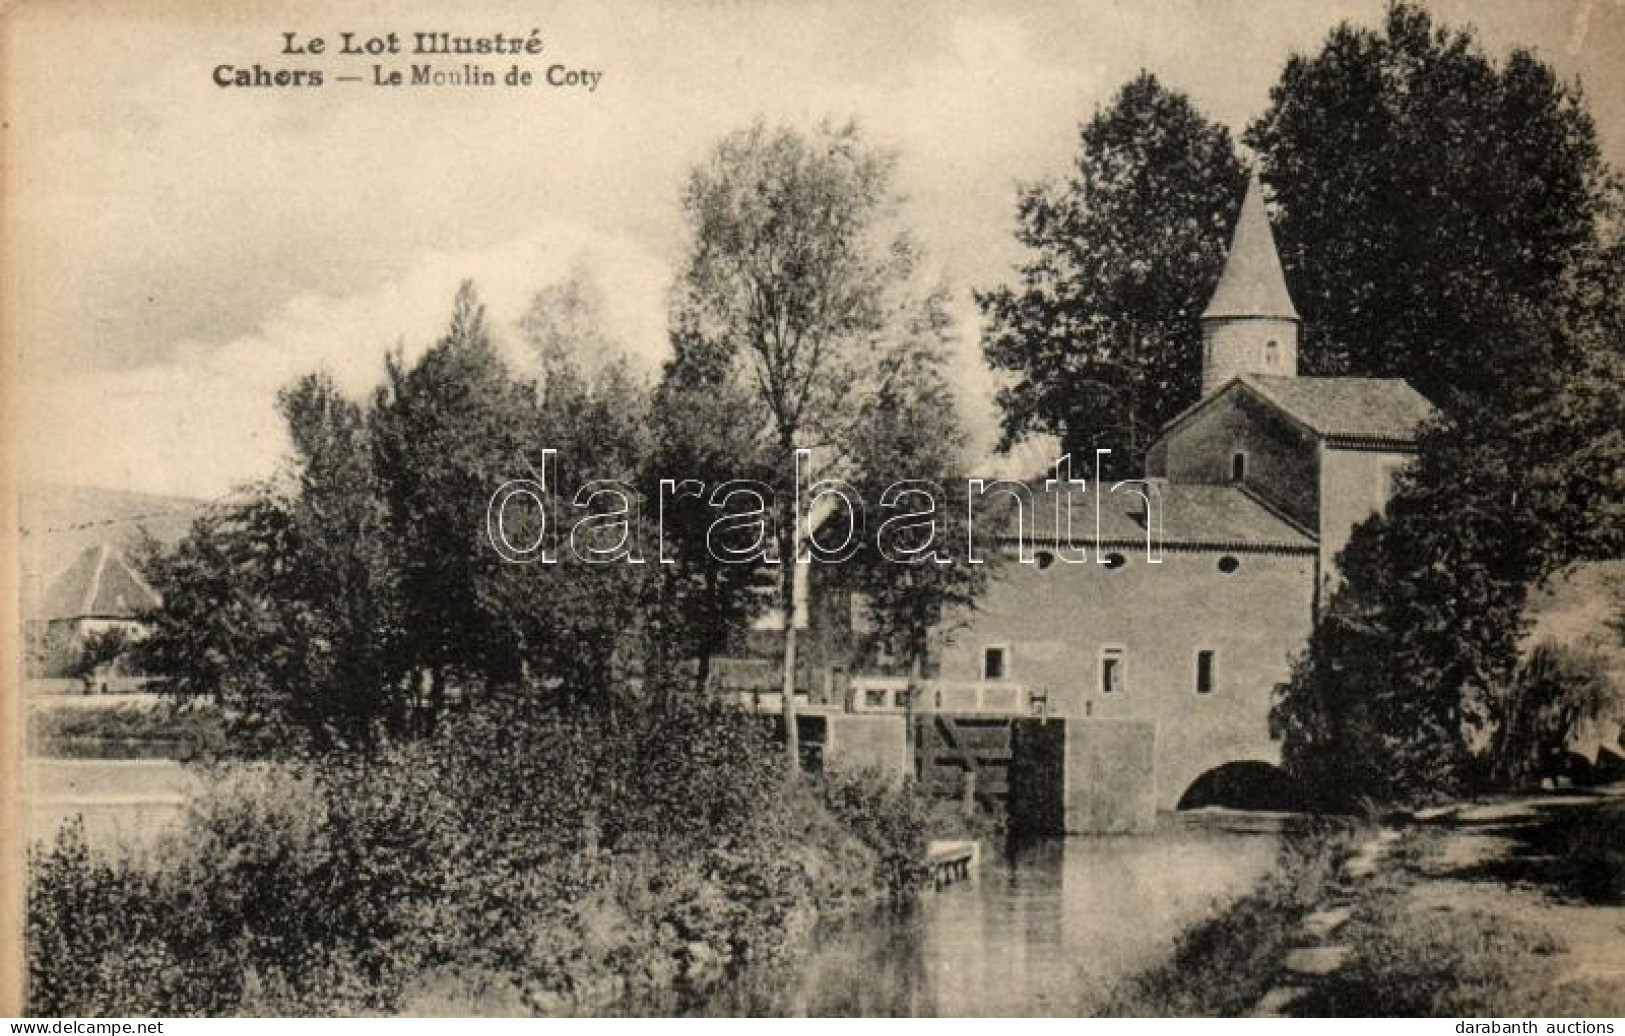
(1214, 517)
(1352, 408)
(1252, 284)
(100, 584)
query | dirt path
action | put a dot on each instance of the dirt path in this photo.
(1514, 907)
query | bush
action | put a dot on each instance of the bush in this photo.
(892, 819)
(179, 729)
(1556, 690)
(555, 860)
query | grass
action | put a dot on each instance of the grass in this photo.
(1491, 940)
(1222, 966)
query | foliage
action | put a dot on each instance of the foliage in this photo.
(447, 431)
(558, 859)
(1557, 689)
(1102, 333)
(893, 819)
(1408, 676)
(96, 652)
(356, 595)
(910, 433)
(1426, 194)
(798, 274)
(704, 427)
(1222, 966)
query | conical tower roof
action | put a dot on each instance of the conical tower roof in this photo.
(1252, 284)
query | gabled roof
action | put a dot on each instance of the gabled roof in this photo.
(1252, 284)
(1384, 409)
(1360, 410)
(100, 584)
(1193, 517)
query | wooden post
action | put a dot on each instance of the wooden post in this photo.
(967, 803)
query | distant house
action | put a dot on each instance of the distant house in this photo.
(99, 593)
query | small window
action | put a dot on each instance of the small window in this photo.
(1204, 672)
(1113, 670)
(1272, 353)
(1114, 560)
(994, 663)
(874, 698)
(1045, 559)
(1228, 564)
(1238, 467)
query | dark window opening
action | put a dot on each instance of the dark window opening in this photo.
(1204, 672)
(1111, 671)
(993, 663)
(1238, 467)
(1228, 564)
(1115, 560)
(1045, 559)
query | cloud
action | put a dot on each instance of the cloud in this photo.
(203, 419)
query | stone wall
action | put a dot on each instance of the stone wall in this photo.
(1111, 779)
(1055, 621)
(1281, 454)
(1355, 484)
(866, 742)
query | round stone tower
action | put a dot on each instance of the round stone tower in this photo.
(1250, 326)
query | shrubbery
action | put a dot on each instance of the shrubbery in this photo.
(187, 729)
(524, 857)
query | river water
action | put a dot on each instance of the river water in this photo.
(1047, 929)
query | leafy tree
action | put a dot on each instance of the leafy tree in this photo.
(96, 651)
(1475, 255)
(285, 606)
(909, 432)
(796, 271)
(1102, 333)
(1556, 691)
(581, 623)
(447, 431)
(1426, 194)
(706, 427)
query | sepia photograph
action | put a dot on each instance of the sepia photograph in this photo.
(669, 509)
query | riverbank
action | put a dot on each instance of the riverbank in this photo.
(1511, 907)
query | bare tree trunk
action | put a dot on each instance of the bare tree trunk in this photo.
(787, 605)
(911, 715)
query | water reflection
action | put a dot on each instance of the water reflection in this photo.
(1047, 930)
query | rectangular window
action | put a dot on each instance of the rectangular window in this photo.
(994, 663)
(1113, 670)
(1204, 672)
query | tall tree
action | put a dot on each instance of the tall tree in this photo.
(286, 605)
(706, 427)
(1426, 195)
(1461, 232)
(908, 444)
(797, 270)
(580, 622)
(447, 431)
(1102, 332)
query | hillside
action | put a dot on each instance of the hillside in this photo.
(58, 523)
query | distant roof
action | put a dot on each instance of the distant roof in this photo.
(1252, 284)
(1193, 516)
(1386, 409)
(100, 584)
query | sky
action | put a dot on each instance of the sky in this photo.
(178, 251)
